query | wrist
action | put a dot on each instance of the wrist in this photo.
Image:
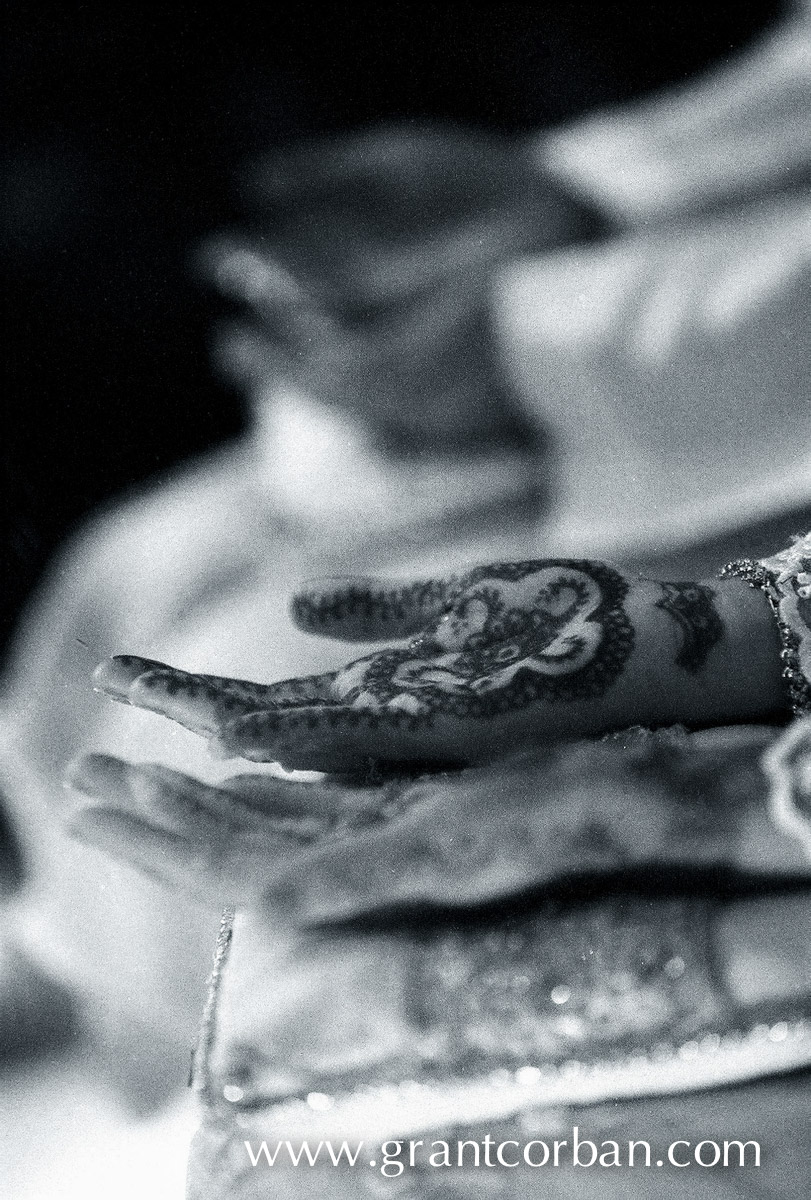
(706, 653)
(740, 677)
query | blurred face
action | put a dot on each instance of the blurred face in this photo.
(363, 274)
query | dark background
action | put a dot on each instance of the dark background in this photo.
(123, 133)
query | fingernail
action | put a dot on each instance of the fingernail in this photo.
(103, 691)
(115, 676)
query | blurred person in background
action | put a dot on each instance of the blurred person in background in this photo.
(434, 381)
(202, 567)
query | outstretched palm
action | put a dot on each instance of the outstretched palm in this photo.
(493, 655)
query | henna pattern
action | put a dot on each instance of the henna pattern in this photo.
(399, 608)
(277, 723)
(317, 738)
(511, 634)
(692, 607)
(494, 640)
(227, 695)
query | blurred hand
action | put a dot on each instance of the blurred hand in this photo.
(366, 276)
(216, 844)
(384, 214)
(328, 850)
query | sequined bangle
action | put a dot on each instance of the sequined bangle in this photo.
(757, 576)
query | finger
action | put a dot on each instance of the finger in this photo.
(303, 349)
(434, 261)
(245, 272)
(328, 803)
(299, 811)
(415, 170)
(223, 859)
(290, 313)
(155, 852)
(213, 870)
(115, 676)
(187, 806)
(365, 162)
(202, 703)
(251, 272)
(371, 609)
(313, 286)
(367, 272)
(342, 739)
(150, 793)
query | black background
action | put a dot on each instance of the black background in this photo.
(123, 132)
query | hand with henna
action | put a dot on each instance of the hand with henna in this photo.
(501, 657)
(331, 850)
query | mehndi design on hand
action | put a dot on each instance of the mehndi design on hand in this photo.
(490, 643)
(513, 633)
(203, 703)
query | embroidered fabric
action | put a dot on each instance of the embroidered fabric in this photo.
(568, 1004)
(567, 982)
(598, 1004)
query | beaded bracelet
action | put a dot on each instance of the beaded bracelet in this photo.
(757, 576)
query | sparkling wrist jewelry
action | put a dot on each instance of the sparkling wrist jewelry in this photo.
(785, 580)
(757, 575)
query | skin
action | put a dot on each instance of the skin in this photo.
(562, 649)
(327, 852)
(501, 657)
(365, 841)
(329, 849)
